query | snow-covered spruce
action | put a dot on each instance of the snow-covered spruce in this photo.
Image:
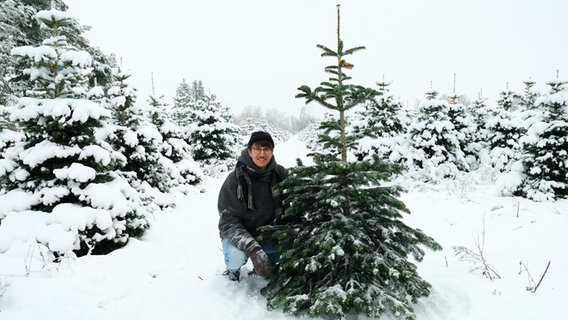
(60, 168)
(381, 127)
(545, 151)
(174, 153)
(206, 126)
(435, 143)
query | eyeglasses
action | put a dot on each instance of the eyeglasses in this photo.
(258, 150)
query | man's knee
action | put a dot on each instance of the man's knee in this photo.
(234, 257)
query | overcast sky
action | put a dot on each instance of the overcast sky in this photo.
(258, 52)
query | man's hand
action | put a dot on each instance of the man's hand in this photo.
(262, 265)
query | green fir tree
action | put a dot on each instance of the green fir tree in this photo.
(344, 248)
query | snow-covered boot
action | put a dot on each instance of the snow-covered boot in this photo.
(233, 276)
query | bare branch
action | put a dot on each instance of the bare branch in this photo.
(532, 287)
(477, 258)
(541, 277)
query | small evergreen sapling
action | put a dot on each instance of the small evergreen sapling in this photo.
(344, 248)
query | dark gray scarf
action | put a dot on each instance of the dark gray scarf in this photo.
(245, 169)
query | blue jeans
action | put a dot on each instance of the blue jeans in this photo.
(236, 258)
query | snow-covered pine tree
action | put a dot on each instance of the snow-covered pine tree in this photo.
(466, 128)
(382, 125)
(4, 117)
(9, 33)
(197, 113)
(8, 138)
(528, 100)
(545, 152)
(60, 164)
(344, 248)
(505, 129)
(130, 134)
(434, 143)
(18, 27)
(182, 110)
(198, 91)
(508, 99)
(480, 113)
(180, 169)
(212, 134)
(528, 112)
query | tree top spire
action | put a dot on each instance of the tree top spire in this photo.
(338, 24)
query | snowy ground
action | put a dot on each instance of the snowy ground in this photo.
(174, 271)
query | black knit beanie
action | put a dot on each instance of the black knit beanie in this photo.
(260, 136)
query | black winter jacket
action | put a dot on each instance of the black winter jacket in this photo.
(241, 215)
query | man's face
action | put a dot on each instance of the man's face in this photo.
(260, 155)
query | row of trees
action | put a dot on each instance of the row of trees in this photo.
(79, 141)
(521, 137)
(350, 250)
(277, 119)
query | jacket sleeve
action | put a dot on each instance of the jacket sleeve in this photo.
(231, 214)
(282, 172)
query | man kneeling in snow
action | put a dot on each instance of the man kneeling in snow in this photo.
(248, 200)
